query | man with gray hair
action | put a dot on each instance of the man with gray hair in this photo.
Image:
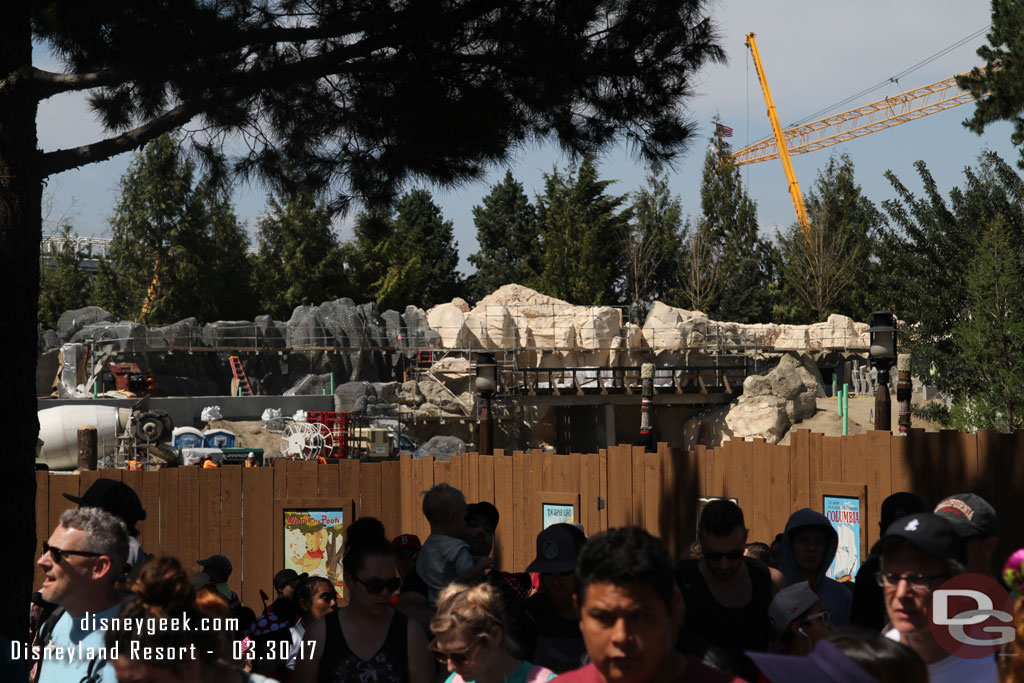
(82, 561)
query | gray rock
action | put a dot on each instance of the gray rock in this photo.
(229, 334)
(187, 334)
(395, 328)
(71, 322)
(419, 334)
(757, 385)
(444, 447)
(49, 340)
(410, 394)
(426, 411)
(310, 385)
(436, 394)
(123, 336)
(388, 392)
(354, 397)
(305, 328)
(270, 333)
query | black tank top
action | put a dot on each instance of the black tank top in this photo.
(389, 665)
(734, 629)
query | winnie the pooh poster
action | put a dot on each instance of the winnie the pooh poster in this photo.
(313, 541)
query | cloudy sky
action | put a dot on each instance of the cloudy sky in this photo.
(815, 54)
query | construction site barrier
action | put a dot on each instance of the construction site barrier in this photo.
(193, 513)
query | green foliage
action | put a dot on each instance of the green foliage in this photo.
(63, 285)
(998, 87)
(653, 248)
(185, 232)
(509, 239)
(299, 260)
(989, 336)
(405, 257)
(582, 231)
(746, 263)
(831, 267)
(926, 254)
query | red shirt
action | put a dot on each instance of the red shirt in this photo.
(696, 672)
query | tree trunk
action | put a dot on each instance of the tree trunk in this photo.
(20, 227)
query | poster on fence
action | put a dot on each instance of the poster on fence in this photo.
(312, 538)
(844, 513)
(555, 513)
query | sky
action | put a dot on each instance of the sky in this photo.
(815, 54)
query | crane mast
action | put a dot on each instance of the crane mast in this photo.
(780, 139)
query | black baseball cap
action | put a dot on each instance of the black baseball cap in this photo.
(114, 497)
(933, 535)
(286, 576)
(557, 549)
(900, 504)
(971, 515)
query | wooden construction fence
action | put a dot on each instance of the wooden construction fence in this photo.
(193, 512)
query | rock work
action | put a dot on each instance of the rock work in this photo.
(770, 404)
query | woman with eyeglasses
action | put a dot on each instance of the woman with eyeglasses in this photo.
(471, 639)
(366, 640)
(799, 618)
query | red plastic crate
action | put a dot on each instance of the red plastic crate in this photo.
(337, 425)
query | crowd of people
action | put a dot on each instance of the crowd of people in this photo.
(611, 607)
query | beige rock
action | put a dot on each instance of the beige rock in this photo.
(707, 428)
(791, 337)
(449, 321)
(757, 385)
(759, 416)
(490, 326)
(662, 328)
(634, 336)
(461, 304)
(597, 326)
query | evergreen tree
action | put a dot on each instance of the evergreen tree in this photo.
(582, 231)
(63, 285)
(989, 337)
(925, 254)
(177, 247)
(402, 256)
(747, 263)
(299, 260)
(509, 239)
(653, 246)
(832, 266)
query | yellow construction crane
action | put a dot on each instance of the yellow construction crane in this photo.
(832, 130)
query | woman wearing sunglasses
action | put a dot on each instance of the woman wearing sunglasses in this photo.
(366, 640)
(800, 619)
(471, 639)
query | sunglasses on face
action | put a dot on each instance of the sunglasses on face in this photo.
(712, 556)
(826, 618)
(58, 553)
(375, 586)
(457, 658)
(918, 583)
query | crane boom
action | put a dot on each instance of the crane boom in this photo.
(780, 141)
(832, 130)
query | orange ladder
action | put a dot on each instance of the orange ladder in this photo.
(243, 382)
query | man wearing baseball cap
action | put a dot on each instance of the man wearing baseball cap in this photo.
(918, 554)
(218, 568)
(978, 526)
(285, 582)
(799, 619)
(552, 623)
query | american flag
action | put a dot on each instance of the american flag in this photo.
(723, 131)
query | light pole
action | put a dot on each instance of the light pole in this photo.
(883, 357)
(486, 384)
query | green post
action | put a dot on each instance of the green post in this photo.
(846, 409)
(239, 389)
(95, 383)
(332, 384)
(835, 386)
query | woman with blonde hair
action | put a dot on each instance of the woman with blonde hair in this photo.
(471, 637)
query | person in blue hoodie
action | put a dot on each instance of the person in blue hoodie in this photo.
(808, 547)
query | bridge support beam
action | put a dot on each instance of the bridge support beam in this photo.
(609, 425)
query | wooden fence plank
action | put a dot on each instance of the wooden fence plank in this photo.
(602, 471)
(209, 518)
(619, 487)
(150, 494)
(485, 478)
(422, 480)
(390, 503)
(780, 468)
(636, 464)
(443, 473)
(799, 472)
(258, 565)
(406, 495)
(652, 495)
(369, 489)
(520, 503)
(230, 522)
(503, 485)
(59, 485)
(302, 479)
(472, 477)
(188, 518)
(590, 489)
(170, 543)
(760, 523)
(877, 460)
(43, 527)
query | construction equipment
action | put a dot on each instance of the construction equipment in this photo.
(130, 377)
(240, 386)
(848, 125)
(773, 117)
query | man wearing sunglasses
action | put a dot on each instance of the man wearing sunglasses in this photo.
(81, 561)
(725, 594)
(918, 554)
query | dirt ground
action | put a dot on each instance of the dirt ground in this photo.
(250, 434)
(862, 408)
